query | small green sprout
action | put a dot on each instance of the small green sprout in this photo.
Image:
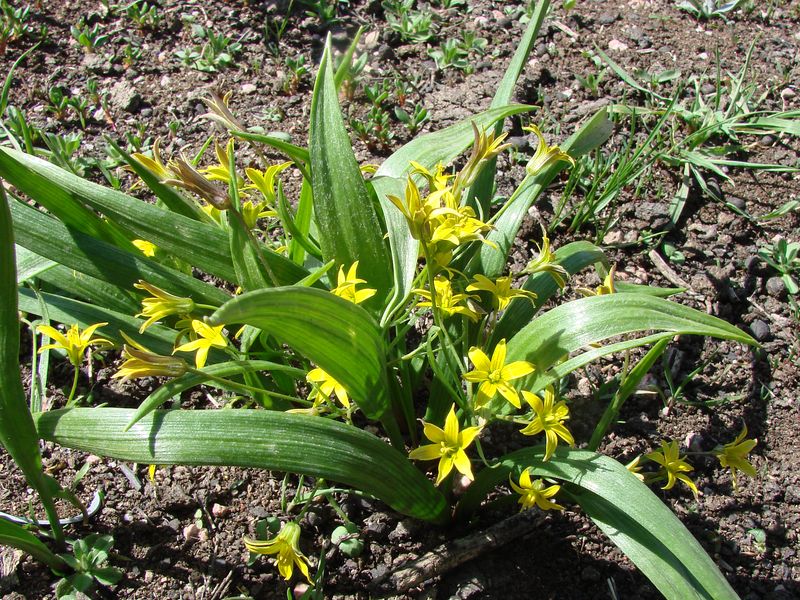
(87, 559)
(784, 257)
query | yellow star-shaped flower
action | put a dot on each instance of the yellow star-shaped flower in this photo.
(287, 547)
(673, 467)
(448, 446)
(533, 493)
(734, 455)
(501, 290)
(346, 286)
(494, 375)
(325, 386)
(550, 417)
(207, 337)
(74, 343)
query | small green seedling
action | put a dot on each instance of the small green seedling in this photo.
(784, 257)
(707, 9)
(87, 559)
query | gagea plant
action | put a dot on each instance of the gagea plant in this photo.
(364, 331)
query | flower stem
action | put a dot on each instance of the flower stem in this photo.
(74, 387)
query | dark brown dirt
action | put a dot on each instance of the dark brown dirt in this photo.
(568, 557)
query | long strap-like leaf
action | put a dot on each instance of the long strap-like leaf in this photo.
(571, 326)
(626, 510)
(480, 193)
(17, 433)
(349, 229)
(491, 260)
(340, 337)
(52, 239)
(252, 438)
(15, 536)
(573, 257)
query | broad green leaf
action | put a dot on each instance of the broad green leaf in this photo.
(490, 261)
(190, 380)
(626, 510)
(480, 193)
(442, 146)
(574, 325)
(252, 438)
(70, 311)
(340, 337)
(252, 270)
(20, 170)
(573, 257)
(199, 244)
(349, 229)
(30, 264)
(71, 283)
(17, 432)
(52, 239)
(16, 536)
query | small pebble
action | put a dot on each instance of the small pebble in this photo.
(760, 330)
(737, 202)
(220, 511)
(607, 18)
(299, 590)
(775, 287)
(249, 88)
(617, 45)
(191, 532)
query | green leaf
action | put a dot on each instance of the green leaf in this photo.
(349, 229)
(252, 438)
(199, 244)
(30, 264)
(442, 146)
(340, 337)
(228, 369)
(626, 510)
(252, 270)
(490, 261)
(72, 283)
(573, 257)
(17, 433)
(586, 321)
(68, 310)
(22, 171)
(481, 191)
(15, 536)
(52, 239)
